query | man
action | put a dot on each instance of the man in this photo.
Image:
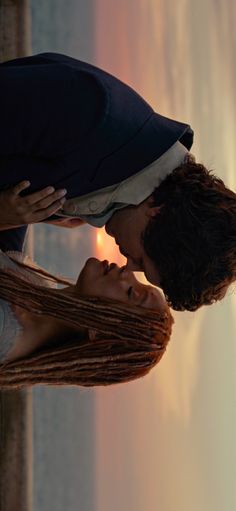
(69, 124)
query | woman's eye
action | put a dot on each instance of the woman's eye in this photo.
(130, 291)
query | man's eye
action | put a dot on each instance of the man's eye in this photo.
(130, 291)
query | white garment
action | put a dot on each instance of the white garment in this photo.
(96, 208)
(10, 327)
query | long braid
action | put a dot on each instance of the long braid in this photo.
(129, 340)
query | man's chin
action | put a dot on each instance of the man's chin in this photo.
(108, 228)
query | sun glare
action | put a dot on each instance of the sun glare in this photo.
(99, 240)
(105, 248)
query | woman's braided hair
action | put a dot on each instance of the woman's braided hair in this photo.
(128, 340)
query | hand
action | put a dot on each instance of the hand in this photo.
(16, 210)
(69, 222)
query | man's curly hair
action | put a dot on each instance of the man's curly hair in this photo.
(192, 239)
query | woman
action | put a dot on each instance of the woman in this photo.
(106, 328)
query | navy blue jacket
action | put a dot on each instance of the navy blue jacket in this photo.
(67, 123)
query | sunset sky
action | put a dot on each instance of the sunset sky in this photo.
(167, 442)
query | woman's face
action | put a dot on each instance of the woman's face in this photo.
(99, 278)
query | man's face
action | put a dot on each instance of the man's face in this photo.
(126, 226)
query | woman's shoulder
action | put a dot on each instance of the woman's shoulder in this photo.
(10, 328)
(9, 325)
(5, 258)
(10, 259)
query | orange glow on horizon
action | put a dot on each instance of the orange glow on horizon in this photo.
(99, 240)
(105, 248)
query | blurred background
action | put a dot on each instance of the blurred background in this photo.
(166, 442)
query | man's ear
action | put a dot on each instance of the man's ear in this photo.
(152, 211)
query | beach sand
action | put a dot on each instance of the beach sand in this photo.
(16, 450)
(16, 481)
(15, 29)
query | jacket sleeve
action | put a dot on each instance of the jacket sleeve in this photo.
(47, 107)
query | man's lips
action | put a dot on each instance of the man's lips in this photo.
(108, 266)
(108, 231)
(123, 252)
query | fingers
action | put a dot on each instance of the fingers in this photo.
(36, 206)
(68, 222)
(42, 214)
(20, 187)
(35, 197)
(48, 193)
(49, 200)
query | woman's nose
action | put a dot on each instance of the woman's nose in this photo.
(125, 274)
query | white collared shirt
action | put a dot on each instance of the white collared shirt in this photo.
(96, 208)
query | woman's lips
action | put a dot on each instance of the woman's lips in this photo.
(108, 266)
(105, 265)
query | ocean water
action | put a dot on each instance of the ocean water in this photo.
(63, 419)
